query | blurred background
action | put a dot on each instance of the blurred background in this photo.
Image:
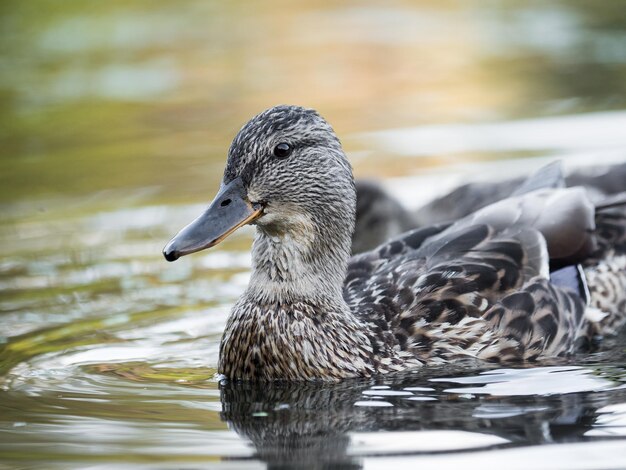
(136, 102)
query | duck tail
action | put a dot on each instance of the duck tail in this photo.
(610, 221)
(605, 270)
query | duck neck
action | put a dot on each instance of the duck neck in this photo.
(301, 262)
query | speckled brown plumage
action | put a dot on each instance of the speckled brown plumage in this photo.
(605, 271)
(477, 288)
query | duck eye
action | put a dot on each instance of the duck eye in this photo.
(282, 150)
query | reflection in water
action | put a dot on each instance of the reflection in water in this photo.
(289, 424)
(179, 414)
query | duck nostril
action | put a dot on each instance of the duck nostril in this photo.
(225, 202)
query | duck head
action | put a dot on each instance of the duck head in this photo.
(286, 173)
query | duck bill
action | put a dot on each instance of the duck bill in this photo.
(229, 210)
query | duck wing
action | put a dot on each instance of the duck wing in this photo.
(565, 218)
(548, 176)
(471, 197)
(469, 292)
(481, 286)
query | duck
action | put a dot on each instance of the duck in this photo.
(479, 288)
(380, 216)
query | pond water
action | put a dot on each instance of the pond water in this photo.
(115, 122)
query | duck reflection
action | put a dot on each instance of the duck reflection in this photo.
(318, 424)
(292, 424)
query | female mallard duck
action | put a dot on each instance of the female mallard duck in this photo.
(379, 216)
(477, 288)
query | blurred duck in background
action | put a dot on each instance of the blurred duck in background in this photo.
(380, 216)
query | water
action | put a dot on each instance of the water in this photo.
(115, 121)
